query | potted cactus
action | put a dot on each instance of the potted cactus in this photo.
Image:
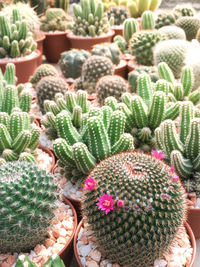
(91, 25)
(18, 47)
(54, 25)
(127, 207)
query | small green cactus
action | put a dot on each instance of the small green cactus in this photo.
(173, 32)
(119, 13)
(164, 19)
(190, 25)
(54, 260)
(183, 11)
(64, 4)
(22, 183)
(135, 208)
(148, 21)
(43, 71)
(71, 62)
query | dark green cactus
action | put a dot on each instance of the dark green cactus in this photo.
(163, 19)
(33, 194)
(135, 209)
(183, 11)
(119, 13)
(190, 25)
(43, 71)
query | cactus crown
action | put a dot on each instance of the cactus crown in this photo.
(42, 71)
(27, 206)
(16, 40)
(135, 208)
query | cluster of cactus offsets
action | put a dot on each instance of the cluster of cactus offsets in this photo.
(145, 110)
(147, 208)
(119, 13)
(55, 19)
(190, 25)
(27, 205)
(43, 71)
(182, 147)
(89, 19)
(73, 103)
(64, 4)
(53, 261)
(141, 46)
(174, 53)
(12, 96)
(93, 69)
(183, 11)
(18, 137)
(111, 85)
(110, 50)
(147, 21)
(164, 19)
(173, 32)
(133, 76)
(71, 62)
(15, 39)
(47, 87)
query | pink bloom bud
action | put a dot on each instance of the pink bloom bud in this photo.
(120, 203)
(175, 178)
(158, 155)
(172, 169)
(90, 184)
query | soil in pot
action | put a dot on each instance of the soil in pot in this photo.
(182, 253)
(25, 66)
(87, 43)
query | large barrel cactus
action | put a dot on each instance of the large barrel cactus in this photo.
(27, 203)
(135, 206)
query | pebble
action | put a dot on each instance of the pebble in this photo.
(44, 160)
(85, 249)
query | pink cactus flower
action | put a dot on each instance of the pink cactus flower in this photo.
(172, 169)
(158, 155)
(175, 178)
(90, 184)
(120, 203)
(106, 203)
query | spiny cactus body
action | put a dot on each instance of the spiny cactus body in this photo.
(43, 71)
(119, 13)
(111, 51)
(183, 11)
(173, 32)
(190, 25)
(164, 19)
(148, 21)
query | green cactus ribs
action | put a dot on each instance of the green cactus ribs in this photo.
(135, 207)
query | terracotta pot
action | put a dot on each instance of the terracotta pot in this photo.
(193, 215)
(54, 44)
(40, 41)
(118, 30)
(188, 228)
(66, 253)
(131, 65)
(51, 154)
(121, 69)
(25, 66)
(88, 42)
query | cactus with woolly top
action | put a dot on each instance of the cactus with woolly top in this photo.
(43, 71)
(182, 147)
(93, 69)
(133, 76)
(119, 13)
(190, 25)
(71, 62)
(33, 193)
(147, 21)
(55, 19)
(15, 39)
(47, 87)
(164, 19)
(64, 4)
(141, 46)
(183, 11)
(174, 53)
(111, 51)
(111, 85)
(89, 19)
(54, 260)
(134, 196)
(146, 110)
(18, 137)
(173, 32)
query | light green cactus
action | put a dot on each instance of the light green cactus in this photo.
(148, 21)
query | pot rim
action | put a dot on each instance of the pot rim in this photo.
(57, 33)
(70, 35)
(188, 228)
(19, 60)
(41, 38)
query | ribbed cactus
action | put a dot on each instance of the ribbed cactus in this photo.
(89, 19)
(111, 51)
(71, 62)
(18, 135)
(27, 206)
(148, 21)
(182, 146)
(146, 110)
(119, 13)
(135, 208)
(64, 4)
(43, 71)
(15, 39)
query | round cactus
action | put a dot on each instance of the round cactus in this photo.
(119, 13)
(71, 62)
(93, 69)
(141, 46)
(164, 19)
(173, 32)
(183, 11)
(27, 206)
(42, 71)
(48, 87)
(135, 207)
(190, 25)
(110, 86)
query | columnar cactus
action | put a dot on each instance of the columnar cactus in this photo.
(15, 39)
(89, 19)
(111, 51)
(64, 4)
(148, 21)
(134, 207)
(119, 13)
(71, 62)
(32, 193)
(43, 71)
(145, 110)
(182, 147)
